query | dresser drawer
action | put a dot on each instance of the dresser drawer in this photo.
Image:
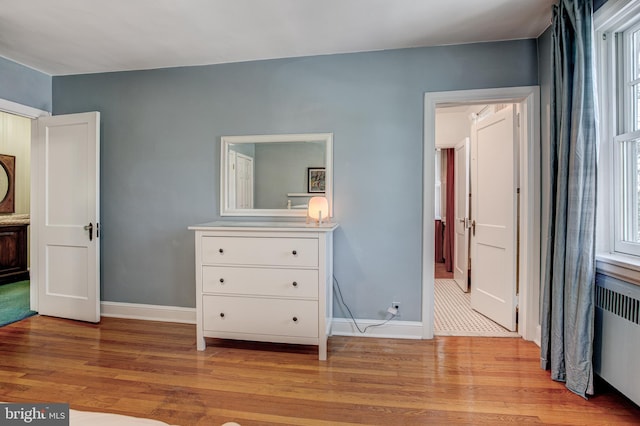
(302, 283)
(302, 252)
(252, 315)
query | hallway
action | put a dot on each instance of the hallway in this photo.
(453, 315)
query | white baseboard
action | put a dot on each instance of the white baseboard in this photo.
(148, 312)
(392, 329)
(340, 326)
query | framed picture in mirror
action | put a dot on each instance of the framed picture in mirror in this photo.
(316, 178)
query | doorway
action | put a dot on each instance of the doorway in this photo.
(27, 114)
(65, 279)
(528, 220)
(15, 197)
(462, 147)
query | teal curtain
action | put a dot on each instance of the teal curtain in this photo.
(567, 311)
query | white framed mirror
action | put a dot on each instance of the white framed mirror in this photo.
(275, 175)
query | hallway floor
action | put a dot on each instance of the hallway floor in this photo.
(453, 315)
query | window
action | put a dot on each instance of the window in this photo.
(618, 41)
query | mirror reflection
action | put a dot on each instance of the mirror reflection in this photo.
(4, 183)
(7, 172)
(274, 175)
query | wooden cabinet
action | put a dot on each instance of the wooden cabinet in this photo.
(13, 253)
(263, 281)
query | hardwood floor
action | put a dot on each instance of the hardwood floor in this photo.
(152, 369)
(440, 271)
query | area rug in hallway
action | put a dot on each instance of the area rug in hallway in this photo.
(14, 302)
(454, 317)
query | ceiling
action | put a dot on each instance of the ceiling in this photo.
(88, 36)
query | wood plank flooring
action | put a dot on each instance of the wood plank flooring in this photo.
(152, 369)
(440, 271)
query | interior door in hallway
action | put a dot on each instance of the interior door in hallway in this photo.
(461, 245)
(494, 163)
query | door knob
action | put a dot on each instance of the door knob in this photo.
(89, 228)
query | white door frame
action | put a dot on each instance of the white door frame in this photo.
(529, 275)
(31, 113)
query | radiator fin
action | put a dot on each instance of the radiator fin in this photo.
(618, 304)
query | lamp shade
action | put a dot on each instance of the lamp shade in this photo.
(318, 208)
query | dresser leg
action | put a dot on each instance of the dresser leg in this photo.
(322, 350)
(200, 343)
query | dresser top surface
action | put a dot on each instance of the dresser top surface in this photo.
(265, 226)
(14, 219)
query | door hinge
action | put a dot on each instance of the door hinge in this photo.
(518, 119)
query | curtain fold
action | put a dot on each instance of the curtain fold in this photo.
(439, 243)
(449, 228)
(567, 314)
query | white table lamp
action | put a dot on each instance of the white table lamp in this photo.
(318, 209)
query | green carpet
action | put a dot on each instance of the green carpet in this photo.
(14, 302)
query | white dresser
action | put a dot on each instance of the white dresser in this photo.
(264, 281)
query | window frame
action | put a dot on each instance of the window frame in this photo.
(621, 207)
(613, 256)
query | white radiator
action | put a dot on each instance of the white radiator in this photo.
(617, 335)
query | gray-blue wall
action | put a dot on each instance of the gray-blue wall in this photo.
(160, 157)
(24, 85)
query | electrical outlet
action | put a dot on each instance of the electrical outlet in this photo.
(394, 309)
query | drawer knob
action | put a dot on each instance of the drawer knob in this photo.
(295, 252)
(221, 314)
(221, 280)
(220, 251)
(295, 284)
(295, 319)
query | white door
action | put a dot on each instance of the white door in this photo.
(461, 245)
(66, 151)
(244, 181)
(494, 213)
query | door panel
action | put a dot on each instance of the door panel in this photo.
(244, 182)
(66, 148)
(494, 242)
(461, 246)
